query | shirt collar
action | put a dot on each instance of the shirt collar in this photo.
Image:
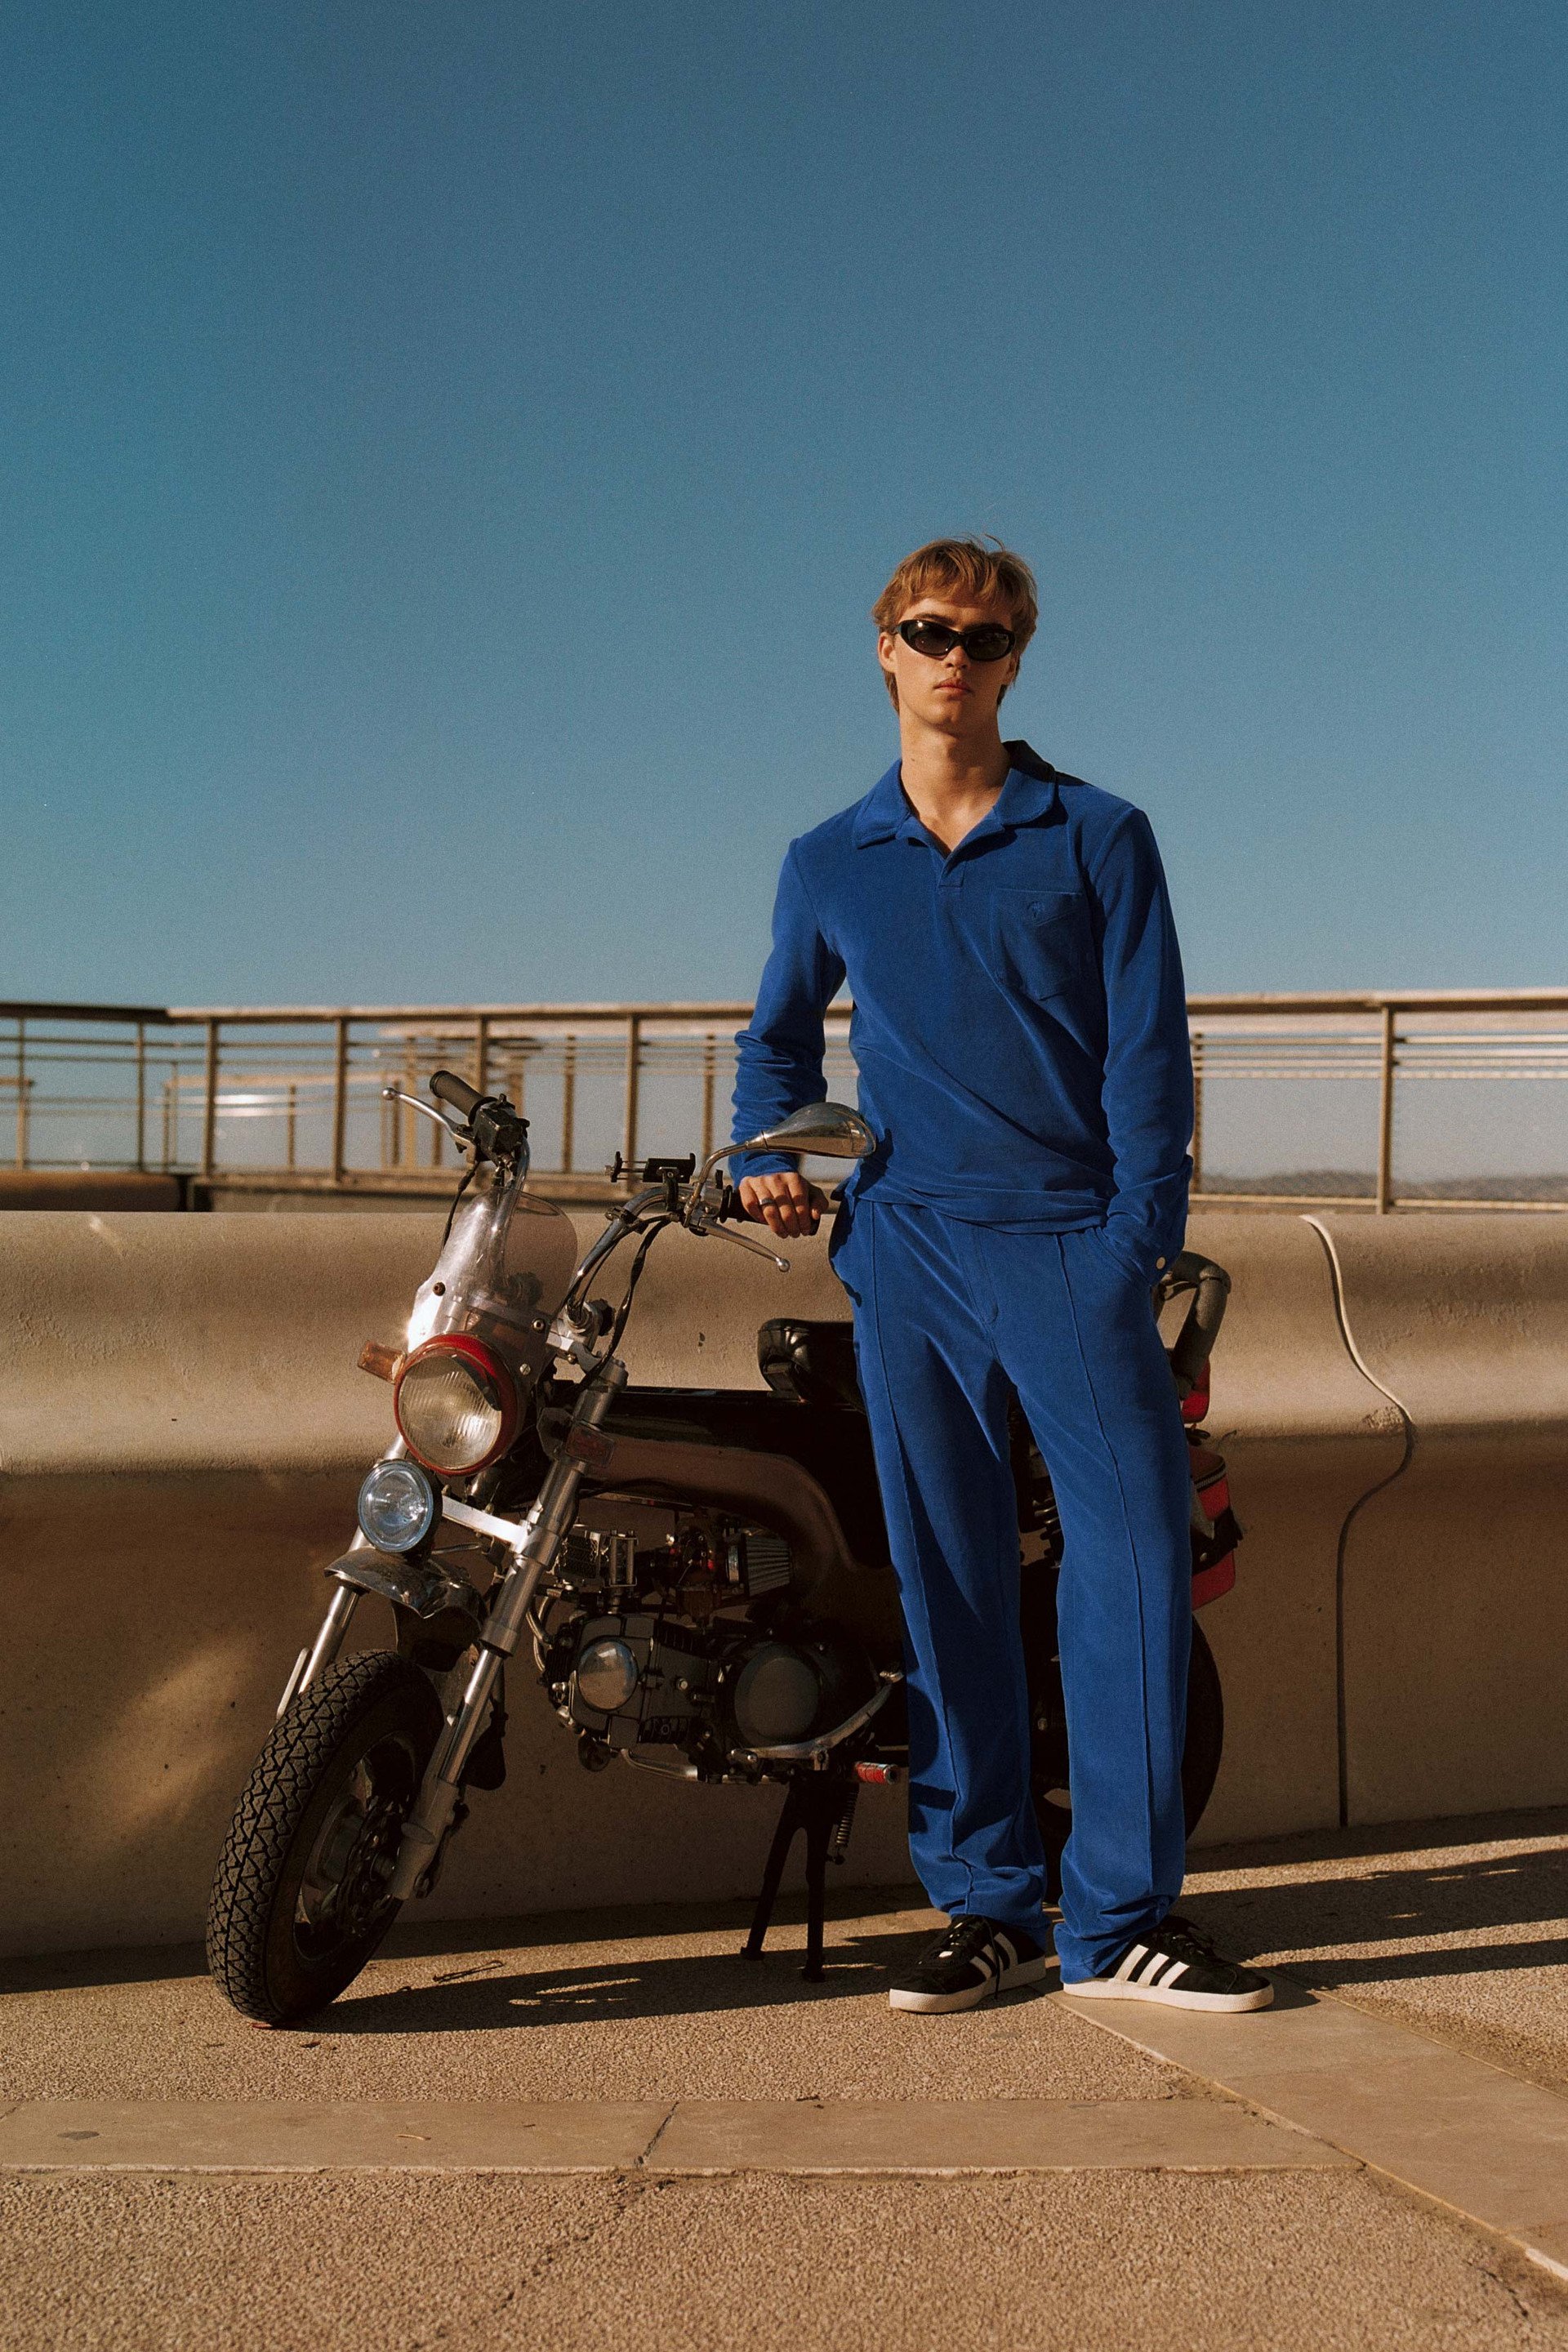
(883, 811)
(1029, 792)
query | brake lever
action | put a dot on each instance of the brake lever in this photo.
(460, 1135)
(702, 1229)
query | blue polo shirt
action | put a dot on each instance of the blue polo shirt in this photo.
(1019, 1016)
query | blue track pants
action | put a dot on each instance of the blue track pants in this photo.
(949, 1316)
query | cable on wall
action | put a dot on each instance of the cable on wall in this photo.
(1336, 1278)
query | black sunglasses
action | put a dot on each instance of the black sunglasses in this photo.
(987, 642)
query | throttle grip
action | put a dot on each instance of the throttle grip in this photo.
(448, 1088)
(732, 1208)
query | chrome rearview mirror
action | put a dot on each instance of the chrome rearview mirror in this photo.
(822, 1130)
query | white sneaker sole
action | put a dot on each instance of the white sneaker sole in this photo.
(1109, 1988)
(935, 2004)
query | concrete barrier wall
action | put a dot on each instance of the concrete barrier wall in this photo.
(1455, 1581)
(182, 1430)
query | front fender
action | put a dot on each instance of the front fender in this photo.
(422, 1587)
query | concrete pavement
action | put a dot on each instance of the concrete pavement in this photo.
(652, 2005)
(770, 2146)
(1101, 2261)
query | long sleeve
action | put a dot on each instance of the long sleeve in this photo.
(1148, 1090)
(781, 1054)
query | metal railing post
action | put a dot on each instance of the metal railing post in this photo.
(482, 1054)
(1385, 1115)
(209, 1108)
(634, 1064)
(339, 1096)
(291, 1127)
(709, 1067)
(1197, 1110)
(141, 1095)
(21, 1091)
(568, 1102)
(408, 1125)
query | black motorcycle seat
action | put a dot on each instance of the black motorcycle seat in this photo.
(810, 1363)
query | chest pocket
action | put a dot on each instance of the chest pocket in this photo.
(1037, 941)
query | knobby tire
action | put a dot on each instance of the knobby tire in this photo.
(252, 1944)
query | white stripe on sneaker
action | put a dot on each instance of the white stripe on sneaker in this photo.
(1198, 1977)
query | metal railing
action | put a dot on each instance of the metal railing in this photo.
(283, 1099)
(1332, 1039)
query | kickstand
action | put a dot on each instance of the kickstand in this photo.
(823, 1805)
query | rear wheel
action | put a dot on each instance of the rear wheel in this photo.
(1049, 1769)
(298, 1902)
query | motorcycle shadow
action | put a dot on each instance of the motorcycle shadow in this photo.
(501, 1993)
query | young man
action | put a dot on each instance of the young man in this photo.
(1020, 1031)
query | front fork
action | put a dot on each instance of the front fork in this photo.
(314, 1661)
(540, 1539)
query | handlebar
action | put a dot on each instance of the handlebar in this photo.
(659, 1206)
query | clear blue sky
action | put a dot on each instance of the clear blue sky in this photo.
(449, 451)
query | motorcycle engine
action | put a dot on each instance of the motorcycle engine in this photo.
(676, 1653)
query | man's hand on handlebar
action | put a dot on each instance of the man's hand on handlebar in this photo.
(786, 1204)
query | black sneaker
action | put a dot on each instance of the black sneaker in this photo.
(968, 1962)
(1178, 1965)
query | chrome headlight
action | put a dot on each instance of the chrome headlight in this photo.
(398, 1506)
(455, 1405)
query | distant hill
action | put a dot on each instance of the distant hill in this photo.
(1350, 1184)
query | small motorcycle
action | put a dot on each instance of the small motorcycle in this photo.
(699, 1578)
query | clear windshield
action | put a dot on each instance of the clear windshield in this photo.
(503, 1273)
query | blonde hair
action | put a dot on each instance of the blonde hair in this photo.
(982, 574)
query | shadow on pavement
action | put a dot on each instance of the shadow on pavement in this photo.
(497, 1996)
(417, 1935)
(1444, 1909)
(1310, 1916)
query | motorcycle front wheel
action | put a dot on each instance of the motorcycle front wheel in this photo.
(1049, 1767)
(298, 1901)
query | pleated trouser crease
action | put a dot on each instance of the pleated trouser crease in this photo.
(949, 1317)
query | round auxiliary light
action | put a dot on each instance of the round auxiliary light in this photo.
(397, 1506)
(455, 1405)
(606, 1675)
